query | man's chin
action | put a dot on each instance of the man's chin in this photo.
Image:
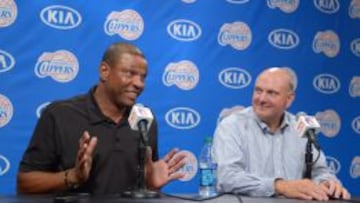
(262, 115)
(126, 103)
(130, 102)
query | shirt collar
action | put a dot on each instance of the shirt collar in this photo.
(95, 114)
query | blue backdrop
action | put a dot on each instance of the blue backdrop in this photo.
(203, 59)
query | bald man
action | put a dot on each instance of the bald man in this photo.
(259, 152)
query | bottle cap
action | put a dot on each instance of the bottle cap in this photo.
(208, 140)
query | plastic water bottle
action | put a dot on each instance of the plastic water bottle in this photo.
(208, 166)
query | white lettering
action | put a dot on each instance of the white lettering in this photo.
(3, 61)
(326, 83)
(60, 17)
(182, 118)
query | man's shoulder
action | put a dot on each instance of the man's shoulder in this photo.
(239, 117)
(244, 113)
(77, 103)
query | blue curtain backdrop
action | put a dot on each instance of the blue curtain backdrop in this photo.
(203, 59)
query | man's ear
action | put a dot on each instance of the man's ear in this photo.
(104, 71)
(290, 99)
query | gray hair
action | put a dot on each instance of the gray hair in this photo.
(293, 78)
(290, 72)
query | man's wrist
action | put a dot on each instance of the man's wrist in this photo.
(278, 185)
(70, 180)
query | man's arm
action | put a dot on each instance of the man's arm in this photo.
(41, 182)
(327, 179)
(323, 186)
(230, 151)
(44, 182)
(300, 189)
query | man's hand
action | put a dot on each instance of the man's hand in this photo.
(164, 170)
(80, 173)
(335, 189)
(301, 189)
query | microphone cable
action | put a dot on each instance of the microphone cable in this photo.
(317, 158)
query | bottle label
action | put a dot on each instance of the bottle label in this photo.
(207, 177)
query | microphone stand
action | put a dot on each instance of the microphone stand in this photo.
(308, 159)
(141, 191)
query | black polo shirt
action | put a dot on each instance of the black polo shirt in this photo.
(55, 142)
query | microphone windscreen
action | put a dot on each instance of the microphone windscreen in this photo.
(304, 123)
(138, 113)
(299, 114)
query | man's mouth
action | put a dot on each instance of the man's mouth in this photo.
(133, 94)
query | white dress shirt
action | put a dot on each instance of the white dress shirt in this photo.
(250, 157)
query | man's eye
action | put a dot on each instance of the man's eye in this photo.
(273, 93)
(128, 73)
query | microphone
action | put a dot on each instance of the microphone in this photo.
(307, 126)
(140, 118)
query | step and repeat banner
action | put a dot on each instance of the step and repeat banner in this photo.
(204, 56)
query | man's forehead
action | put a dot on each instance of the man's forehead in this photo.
(140, 59)
(270, 83)
(132, 57)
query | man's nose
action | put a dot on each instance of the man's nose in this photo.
(138, 81)
(262, 96)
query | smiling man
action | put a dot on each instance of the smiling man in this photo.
(259, 152)
(85, 144)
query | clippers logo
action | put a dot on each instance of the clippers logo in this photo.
(237, 34)
(234, 78)
(62, 66)
(354, 9)
(326, 83)
(184, 30)
(330, 122)
(327, 6)
(8, 12)
(6, 110)
(7, 61)
(182, 118)
(237, 1)
(355, 167)
(287, 6)
(128, 24)
(327, 42)
(355, 46)
(41, 108)
(4, 165)
(283, 39)
(191, 166)
(333, 164)
(356, 124)
(228, 111)
(184, 75)
(60, 17)
(354, 87)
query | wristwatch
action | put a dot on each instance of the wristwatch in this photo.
(69, 185)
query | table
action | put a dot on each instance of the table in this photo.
(163, 199)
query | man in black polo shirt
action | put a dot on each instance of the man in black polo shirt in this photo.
(85, 144)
